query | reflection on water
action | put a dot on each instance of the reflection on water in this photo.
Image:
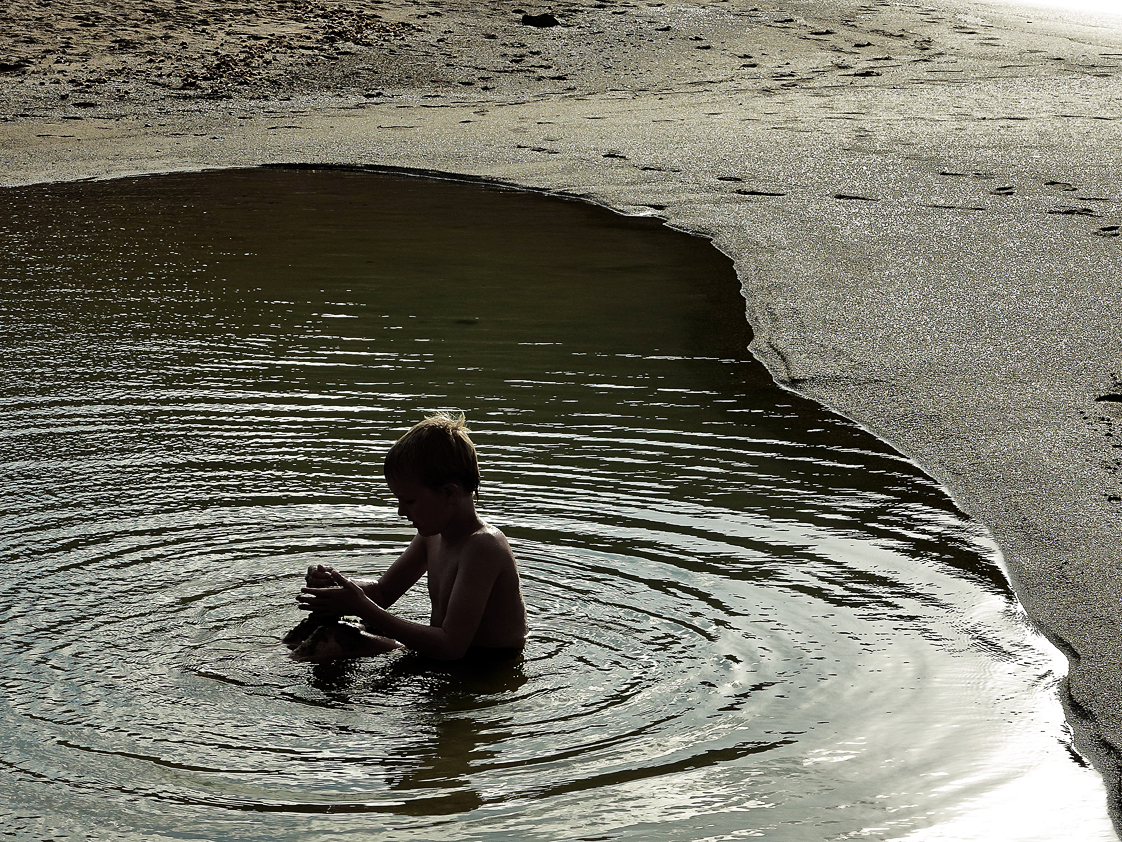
(749, 618)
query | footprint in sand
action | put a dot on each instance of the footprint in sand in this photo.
(1072, 211)
(1109, 424)
(981, 176)
(758, 193)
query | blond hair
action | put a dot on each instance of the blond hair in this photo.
(436, 451)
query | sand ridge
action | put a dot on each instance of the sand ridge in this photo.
(922, 202)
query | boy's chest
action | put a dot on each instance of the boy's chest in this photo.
(442, 571)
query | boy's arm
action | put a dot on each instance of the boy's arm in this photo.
(467, 602)
(398, 578)
(401, 575)
(474, 581)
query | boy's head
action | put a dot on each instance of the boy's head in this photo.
(435, 452)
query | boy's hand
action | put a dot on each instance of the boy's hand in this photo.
(319, 576)
(340, 596)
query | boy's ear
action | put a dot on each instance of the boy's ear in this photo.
(452, 488)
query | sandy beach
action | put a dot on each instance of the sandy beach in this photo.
(922, 202)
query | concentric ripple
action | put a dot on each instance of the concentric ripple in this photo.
(749, 618)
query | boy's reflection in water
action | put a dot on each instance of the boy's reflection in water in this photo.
(454, 737)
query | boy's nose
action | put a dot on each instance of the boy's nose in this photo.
(401, 511)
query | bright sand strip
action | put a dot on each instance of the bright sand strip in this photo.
(922, 202)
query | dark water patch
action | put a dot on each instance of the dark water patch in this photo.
(749, 617)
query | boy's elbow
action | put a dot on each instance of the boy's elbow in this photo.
(450, 649)
(453, 653)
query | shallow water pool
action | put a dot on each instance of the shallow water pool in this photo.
(750, 619)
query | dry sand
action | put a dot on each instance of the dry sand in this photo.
(922, 201)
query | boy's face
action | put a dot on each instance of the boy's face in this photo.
(428, 509)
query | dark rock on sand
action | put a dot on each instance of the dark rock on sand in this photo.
(542, 20)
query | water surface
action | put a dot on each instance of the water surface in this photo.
(749, 618)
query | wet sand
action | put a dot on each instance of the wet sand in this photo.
(922, 202)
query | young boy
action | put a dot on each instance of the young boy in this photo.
(472, 578)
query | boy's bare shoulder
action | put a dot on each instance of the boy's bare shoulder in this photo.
(489, 545)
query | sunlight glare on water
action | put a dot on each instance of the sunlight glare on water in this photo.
(749, 618)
